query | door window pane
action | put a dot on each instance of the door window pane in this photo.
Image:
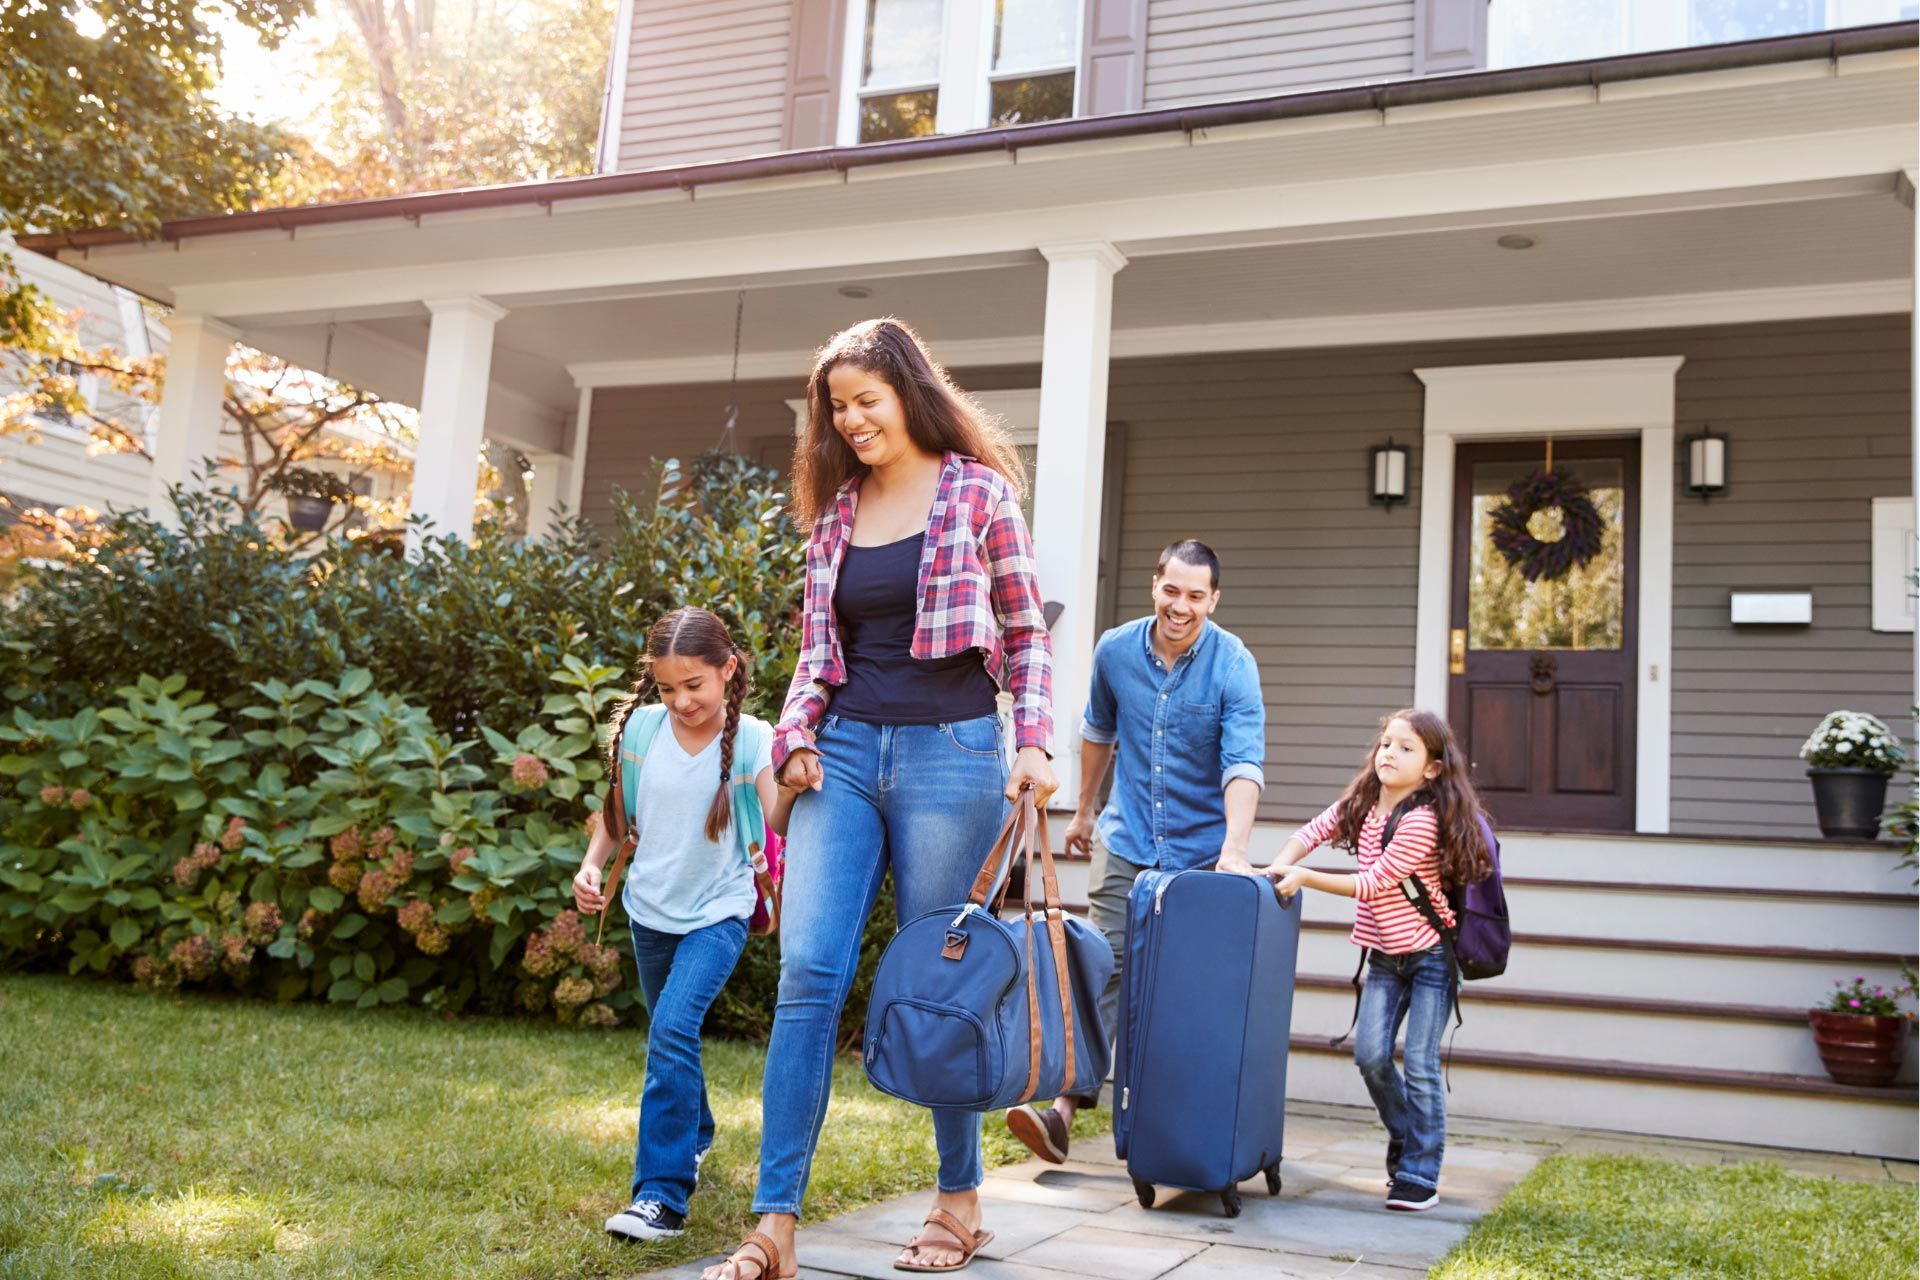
(1033, 34)
(1029, 98)
(1585, 608)
(892, 116)
(902, 43)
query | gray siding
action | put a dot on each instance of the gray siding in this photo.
(1262, 456)
(706, 80)
(1200, 50)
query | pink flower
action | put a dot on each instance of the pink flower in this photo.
(541, 958)
(568, 932)
(262, 922)
(235, 835)
(344, 876)
(461, 857)
(1854, 1003)
(433, 939)
(374, 890)
(529, 771)
(80, 797)
(446, 838)
(400, 865)
(415, 915)
(382, 837)
(193, 957)
(309, 921)
(571, 992)
(51, 796)
(346, 845)
(599, 1016)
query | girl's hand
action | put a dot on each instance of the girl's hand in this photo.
(802, 771)
(587, 895)
(1031, 768)
(1287, 880)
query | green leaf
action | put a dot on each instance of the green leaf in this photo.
(349, 926)
(355, 682)
(324, 897)
(345, 989)
(363, 966)
(391, 991)
(125, 932)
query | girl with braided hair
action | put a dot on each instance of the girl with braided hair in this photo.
(689, 890)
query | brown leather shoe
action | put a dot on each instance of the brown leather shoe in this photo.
(1043, 1132)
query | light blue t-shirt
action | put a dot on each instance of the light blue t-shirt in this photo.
(679, 880)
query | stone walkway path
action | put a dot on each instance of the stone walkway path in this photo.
(1081, 1220)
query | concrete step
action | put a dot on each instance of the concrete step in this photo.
(1657, 1032)
(1795, 918)
(1722, 1106)
(1854, 867)
(1708, 973)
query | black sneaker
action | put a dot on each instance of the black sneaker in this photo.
(1394, 1149)
(646, 1220)
(1409, 1196)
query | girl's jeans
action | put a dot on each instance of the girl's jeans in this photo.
(925, 800)
(1417, 989)
(681, 976)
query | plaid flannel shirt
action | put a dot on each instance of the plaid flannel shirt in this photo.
(977, 590)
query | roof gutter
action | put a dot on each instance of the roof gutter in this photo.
(1446, 88)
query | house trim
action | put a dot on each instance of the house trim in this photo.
(1560, 398)
(1673, 311)
(614, 100)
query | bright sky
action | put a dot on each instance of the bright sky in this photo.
(281, 85)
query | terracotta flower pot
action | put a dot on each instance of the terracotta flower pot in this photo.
(1859, 1049)
(1849, 801)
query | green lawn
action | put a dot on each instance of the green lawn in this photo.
(1622, 1218)
(148, 1136)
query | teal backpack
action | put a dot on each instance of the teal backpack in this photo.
(763, 849)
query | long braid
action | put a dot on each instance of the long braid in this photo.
(721, 811)
(630, 701)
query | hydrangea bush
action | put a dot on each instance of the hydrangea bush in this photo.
(1853, 740)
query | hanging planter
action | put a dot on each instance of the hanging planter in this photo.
(1547, 526)
(309, 514)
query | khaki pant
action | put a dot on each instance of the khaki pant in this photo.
(1107, 911)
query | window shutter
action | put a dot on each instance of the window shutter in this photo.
(813, 72)
(1449, 35)
(1113, 57)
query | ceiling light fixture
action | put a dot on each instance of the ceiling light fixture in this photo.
(1515, 242)
(855, 291)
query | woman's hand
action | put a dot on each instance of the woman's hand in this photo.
(801, 771)
(1031, 768)
(587, 894)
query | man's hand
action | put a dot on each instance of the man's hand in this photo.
(1079, 838)
(1287, 880)
(587, 895)
(1234, 862)
(801, 771)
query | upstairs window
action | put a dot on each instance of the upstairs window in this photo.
(946, 66)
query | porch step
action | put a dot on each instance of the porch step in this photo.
(1674, 1033)
(1737, 974)
(1847, 866)
(1719, 1105)
(1666, 912)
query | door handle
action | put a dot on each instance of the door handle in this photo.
(1457, 652)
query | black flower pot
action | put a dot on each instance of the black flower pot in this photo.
(1849, 802)
(309, 515)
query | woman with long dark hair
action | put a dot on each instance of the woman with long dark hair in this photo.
(921, 605)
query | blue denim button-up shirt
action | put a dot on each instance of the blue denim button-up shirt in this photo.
(1180, 735)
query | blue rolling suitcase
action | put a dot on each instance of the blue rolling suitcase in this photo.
(1204, 1018)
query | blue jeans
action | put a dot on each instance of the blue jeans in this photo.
(681, 976)
(925, 800)
(1417, 989)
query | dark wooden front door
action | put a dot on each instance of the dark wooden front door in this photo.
(1542, 687)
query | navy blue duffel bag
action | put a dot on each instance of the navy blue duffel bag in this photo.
(974, 1013)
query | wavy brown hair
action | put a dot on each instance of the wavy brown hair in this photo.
(941, 418)
(1461, 845)
(701, 635)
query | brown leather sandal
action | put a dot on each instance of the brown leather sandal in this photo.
(970, 1243)
(768, 1262)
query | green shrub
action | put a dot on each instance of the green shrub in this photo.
(366, 778)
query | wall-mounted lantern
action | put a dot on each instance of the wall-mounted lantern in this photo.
(1387, 473)
(1706, 464)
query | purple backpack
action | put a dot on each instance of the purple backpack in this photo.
(1482, 937)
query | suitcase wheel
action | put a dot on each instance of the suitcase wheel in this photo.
(1230, 1201)
(1143, 1191)
(1273, 1179)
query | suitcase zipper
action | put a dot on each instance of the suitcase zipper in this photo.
(1126, 1096)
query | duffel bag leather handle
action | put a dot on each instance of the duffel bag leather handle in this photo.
(1018, 817)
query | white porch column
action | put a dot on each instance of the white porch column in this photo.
(191, 415)
(559, 477)
(1068, 472)
(453, 411)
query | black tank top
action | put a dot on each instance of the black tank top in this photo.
(875, 603)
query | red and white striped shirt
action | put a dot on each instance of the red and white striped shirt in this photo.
(1383, 917)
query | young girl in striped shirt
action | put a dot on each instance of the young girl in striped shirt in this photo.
(1410, 812)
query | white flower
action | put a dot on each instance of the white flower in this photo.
(1844, 747)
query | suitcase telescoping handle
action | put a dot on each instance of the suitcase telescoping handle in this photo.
(1024, 833)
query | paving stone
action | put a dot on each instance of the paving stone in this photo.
(1015, 1226)
(850, 1256)
(1461, 1156)
(1901, 1170)
(1231, 1262)
(1452, 1208)
(1299, 1226)
(1109, 1254)
(1087, 1197)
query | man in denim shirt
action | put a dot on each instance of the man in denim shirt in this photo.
(1177, 700)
